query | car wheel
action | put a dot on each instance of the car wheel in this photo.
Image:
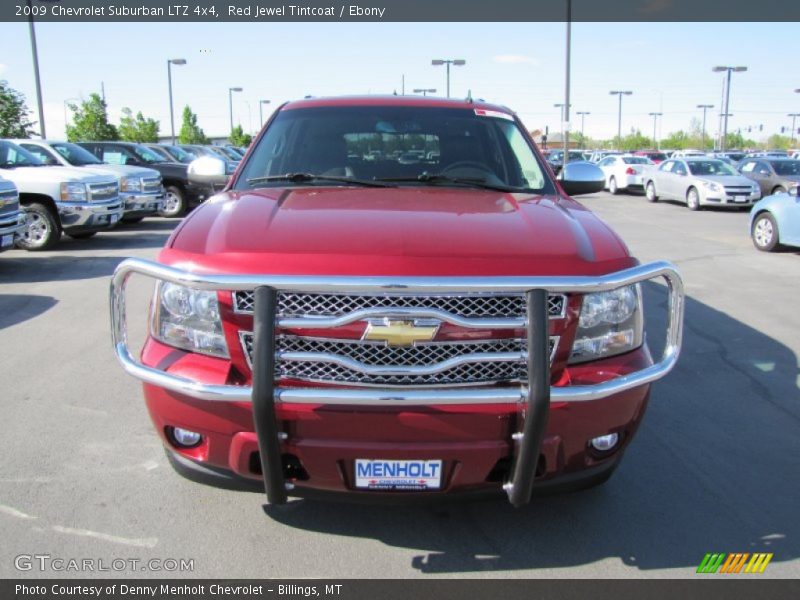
(85, 235)
(612, 185)
(779, 189)
(765, 232)
(174, 202)
(693, 199)
(41, 231)
(650, 192)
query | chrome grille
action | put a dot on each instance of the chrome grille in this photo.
(99, 192)
(9, 201)
(738, 189)
(469, 370)
(151, 185)
(292, 304)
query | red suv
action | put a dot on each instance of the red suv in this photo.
(393, 297)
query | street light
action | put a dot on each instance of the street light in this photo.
(170, 62)
(37, 79)
(729, 70)
(655, 116)
(620, 93)
(260, 112)
(583, 114)
(705, 107)
(230, 101)
(438, 62)
(794, 117)
(424, 91)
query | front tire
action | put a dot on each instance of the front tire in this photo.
(765, 233)
(174, 202)
(650, 192)
(612, 186)
(42, 231)
(693, 199)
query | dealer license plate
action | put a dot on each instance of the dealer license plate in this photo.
(740, 198)
(398, 474)
(114, 219)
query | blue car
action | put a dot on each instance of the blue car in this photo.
(775, 221)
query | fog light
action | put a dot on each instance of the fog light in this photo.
(604, 443)
(185, 438)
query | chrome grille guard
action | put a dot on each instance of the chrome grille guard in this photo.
(532, 400)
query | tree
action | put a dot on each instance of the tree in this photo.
(778, 142)
(239, 138)
(14, 122)
(137, 129)
(190, 132)
(90, 121)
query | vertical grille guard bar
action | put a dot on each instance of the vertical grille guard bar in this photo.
(240, 393)
(264, 419)
(533, 413)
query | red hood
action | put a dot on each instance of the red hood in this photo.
(394, 231)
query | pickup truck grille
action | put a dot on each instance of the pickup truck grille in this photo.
(292, 304)
(357, 362)
(99, 192)
(151, 185)
(9, 200)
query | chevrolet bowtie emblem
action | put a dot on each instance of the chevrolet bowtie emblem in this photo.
(401, 332)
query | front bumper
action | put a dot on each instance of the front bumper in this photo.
(12, 225)
(80, 217)
(709, 198)
(529, 425)
(142, 205)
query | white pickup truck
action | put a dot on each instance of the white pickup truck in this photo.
(59, 200)
(12, 219)
(140, 188)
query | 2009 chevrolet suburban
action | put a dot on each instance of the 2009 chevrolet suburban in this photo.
(395, 297)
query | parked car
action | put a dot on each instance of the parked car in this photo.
(197, 151)
(598, 155)
(556, 159)
(140, 188)
(734, 157)
(370, 327)
(767, 154)
(179, 194)
(624, 172)
(12, 219)
(229, 153)
(773, 175)
(656, 156)
(171, 153)
(688, 153)
(59, 199)
(700, 182)
(775, 221)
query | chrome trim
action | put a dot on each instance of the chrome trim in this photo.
(566, 284)
(12, 222)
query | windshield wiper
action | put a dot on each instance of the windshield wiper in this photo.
(308, 177)
(441, 178)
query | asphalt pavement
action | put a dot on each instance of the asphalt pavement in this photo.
(714, 467)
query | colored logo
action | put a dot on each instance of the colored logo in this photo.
(735, 562)
(401, 333)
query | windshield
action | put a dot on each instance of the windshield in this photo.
(396, 143)
(710, 167)
(179, 154)
(75, 155)
(147, 155)
(636, 160)
(787, 167)
(12, 156)
(230, 154)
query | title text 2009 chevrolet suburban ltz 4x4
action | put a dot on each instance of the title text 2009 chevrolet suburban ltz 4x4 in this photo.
(395, 297)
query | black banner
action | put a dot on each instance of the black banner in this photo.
(702, 588)
(399, 10)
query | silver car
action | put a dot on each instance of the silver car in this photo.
(700, 182)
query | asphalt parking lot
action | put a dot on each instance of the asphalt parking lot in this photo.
(713, 469)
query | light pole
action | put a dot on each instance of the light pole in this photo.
(230, 101)
(620, 93)
(170, 62)
(720, 69)
(424, 91)
(35, 55)
(655, 116)
(583, 114)
(437, 62)
(567, 64)
(261, 103)
(705, 107)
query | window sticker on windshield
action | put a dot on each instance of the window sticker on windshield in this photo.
(493, 113)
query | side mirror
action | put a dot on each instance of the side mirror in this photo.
(581, 177)
(207, 170)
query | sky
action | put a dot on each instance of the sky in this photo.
(667, 66)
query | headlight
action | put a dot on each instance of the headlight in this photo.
(130, 184)
(73, 192)
(610, 323)
(188, 319)
(711, 186)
